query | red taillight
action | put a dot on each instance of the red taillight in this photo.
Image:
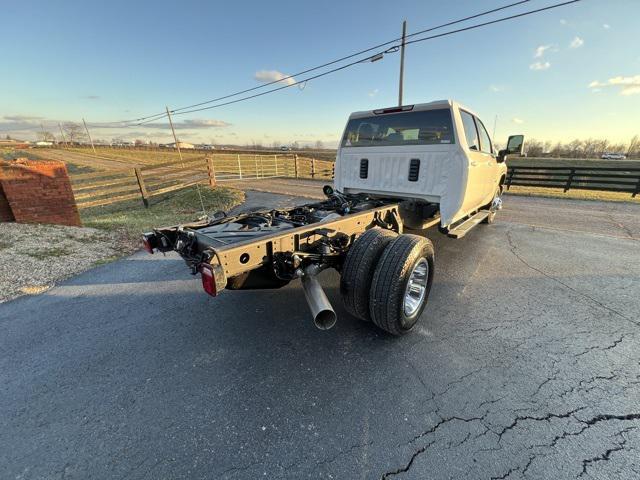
(146, 244)
(208, 279)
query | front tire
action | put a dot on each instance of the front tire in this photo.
(401, 284)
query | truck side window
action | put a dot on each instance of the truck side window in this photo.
(470, 131)
(485, 141)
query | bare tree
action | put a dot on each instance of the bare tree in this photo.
(533, 148)
(634, 147)
(45, 136)
(73, 132)
(319, 145)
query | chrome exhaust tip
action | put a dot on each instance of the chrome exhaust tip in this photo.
(324, 317)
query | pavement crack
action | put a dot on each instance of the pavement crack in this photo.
(606, 455)
(513, 249)
(506, 474)
(460, 380)
(424, 448)
(407, 467)
(545, 418)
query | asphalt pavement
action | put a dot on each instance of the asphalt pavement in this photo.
(525, 365)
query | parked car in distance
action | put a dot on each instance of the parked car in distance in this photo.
(284, 148)
(613, 156)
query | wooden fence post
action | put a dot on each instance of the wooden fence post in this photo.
(570, 179)
(239, 167)
(255, 159)
(141, 185)
(510, 177)
(313, 168)
(211, 171)
(275, 160)
(295, 164)
(261, 166)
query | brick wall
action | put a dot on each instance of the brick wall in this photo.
(39, 191)
(5, 210)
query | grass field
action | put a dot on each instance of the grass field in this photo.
(572, 162)
(574, 194)
(130, 218)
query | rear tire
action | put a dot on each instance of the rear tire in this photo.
(401, 284)
(358, 268)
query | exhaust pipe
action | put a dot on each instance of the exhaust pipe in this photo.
(323, 315)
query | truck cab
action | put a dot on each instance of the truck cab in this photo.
(436, 153)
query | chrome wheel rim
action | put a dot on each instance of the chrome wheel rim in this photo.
(496, 204)
(416, 288)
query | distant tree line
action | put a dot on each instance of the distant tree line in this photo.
(589, 148)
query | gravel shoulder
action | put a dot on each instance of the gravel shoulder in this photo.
(34, 257)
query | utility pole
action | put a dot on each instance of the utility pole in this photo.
(175, 139)
(402, 45)
(44, 134)
(89, 135)
(64, 140)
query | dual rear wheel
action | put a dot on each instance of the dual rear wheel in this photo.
(386, 279)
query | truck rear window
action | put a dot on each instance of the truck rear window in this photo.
(428, 127)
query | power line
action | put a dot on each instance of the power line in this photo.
(504, 19)
(303, 72)
(390, 50)
(471, 17)
(190, 108)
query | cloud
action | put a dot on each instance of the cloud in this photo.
(539, 66)
(539, 52)
(627, 85)
(563, 21)
(267, 76)
(373, 92)
(577, 42)
(517, 121)
(204, 123)
(606, 26)
(190, 124)
(21, 118)
(496, 88)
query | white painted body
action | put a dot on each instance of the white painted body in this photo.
(459, 179)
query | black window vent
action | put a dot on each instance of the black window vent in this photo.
(364, 168)
(414, 169)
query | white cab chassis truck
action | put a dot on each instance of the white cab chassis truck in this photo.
(399, 171)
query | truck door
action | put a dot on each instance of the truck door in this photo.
(476, 183)
(489, 163)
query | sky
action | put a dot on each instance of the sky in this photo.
(572, 72)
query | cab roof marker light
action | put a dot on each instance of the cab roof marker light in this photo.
(404, 108)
